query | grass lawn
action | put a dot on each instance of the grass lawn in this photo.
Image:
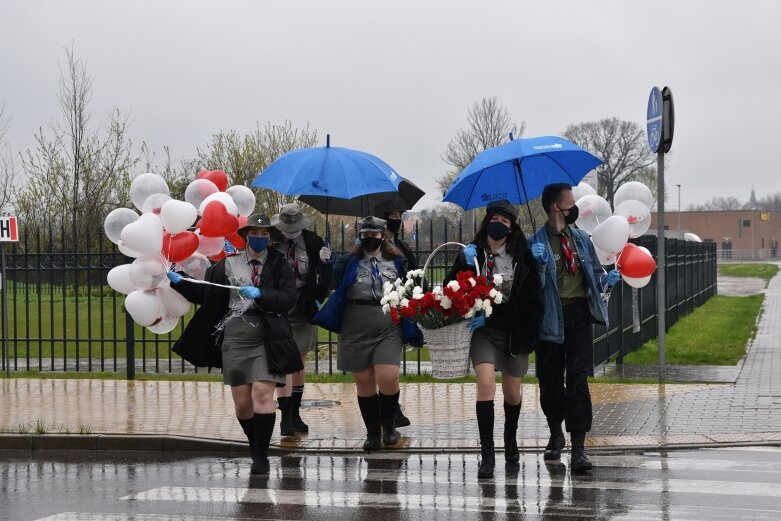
(761, 271)
(714, 334)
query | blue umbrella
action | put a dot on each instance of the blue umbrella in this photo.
(519, 170)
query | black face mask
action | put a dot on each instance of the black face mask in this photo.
(573, 214)
(370, 244)
(496, 230)
(394, 225)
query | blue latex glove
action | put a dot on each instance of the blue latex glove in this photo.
(613, 276)
(174, 277)
(538, 252)
(477, 321)
(470, 252)
(249, 292)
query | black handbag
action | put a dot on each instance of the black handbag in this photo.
(282, 352)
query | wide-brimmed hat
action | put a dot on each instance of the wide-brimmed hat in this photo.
(504, 207)
(256, 220)
(372, 224)
(290, 219)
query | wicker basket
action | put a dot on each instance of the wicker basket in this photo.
(449, 345)
(449, 350)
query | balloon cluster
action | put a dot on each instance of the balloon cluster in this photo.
(611, 230)
(160, 237)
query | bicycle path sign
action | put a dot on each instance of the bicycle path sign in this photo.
(654, 119)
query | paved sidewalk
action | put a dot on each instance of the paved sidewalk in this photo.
(442, 414)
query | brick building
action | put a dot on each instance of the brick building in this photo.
(748, 233)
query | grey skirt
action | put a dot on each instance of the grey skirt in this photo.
(243, 353)
(304, 333)
(487, 346)
(368, 337)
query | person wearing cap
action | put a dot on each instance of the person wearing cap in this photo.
(233, 320)
(503, 341)
(573, 282)
(370, 343)
(309, 259)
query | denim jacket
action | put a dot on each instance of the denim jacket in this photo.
(552, 326)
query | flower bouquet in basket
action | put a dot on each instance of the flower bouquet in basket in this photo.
(443, 314)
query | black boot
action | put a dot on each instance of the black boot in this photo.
(511, 414)
(370, 411)
(262, 428)
(555, 443)
(579, 462)
(246, 426)
(388, 406)
(286, 423)
(485, 425)
(400, 420)
(295, 410)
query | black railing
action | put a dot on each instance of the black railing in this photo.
(62, 316)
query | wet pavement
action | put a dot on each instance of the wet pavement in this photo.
(706, 484)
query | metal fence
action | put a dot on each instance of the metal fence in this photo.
(62, 316)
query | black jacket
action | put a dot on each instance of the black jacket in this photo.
(200, 344)
(318, 278)
(412, 261)
(520, 315)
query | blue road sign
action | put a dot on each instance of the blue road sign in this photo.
(654, 117)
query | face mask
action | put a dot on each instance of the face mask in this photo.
(573, 214)
(370, 244)
(291, 236)
(496, 230)
(394, 225)
(258, 244)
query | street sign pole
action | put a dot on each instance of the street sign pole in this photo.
(6, 360)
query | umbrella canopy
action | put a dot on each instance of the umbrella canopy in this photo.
(519, 170)
(402, 199)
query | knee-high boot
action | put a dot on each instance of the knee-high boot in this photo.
(295, 409)
(286, 423)
(388, 406)
(511, 414)
(485, 425)
(370, 411)
(262, 428)
(246, 426)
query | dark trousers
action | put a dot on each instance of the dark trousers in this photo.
(570, 403)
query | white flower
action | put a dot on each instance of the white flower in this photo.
(393, 296)
(417, 293)
(384, 300)
(472, 281)
(487, 309)
(498, 280)
(418, 273)
(387, 287)
(498, 298)
(493, 293)
(470, 313)
(445, 302)
(478, 305)
(386, 308)
(404, 302)
(454, 285)
(409, 283)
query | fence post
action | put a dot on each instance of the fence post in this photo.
(130, 346)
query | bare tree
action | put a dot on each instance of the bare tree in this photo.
(489, 124)
(621, 145)
(770, 202)
(7, 169)
(718, 204)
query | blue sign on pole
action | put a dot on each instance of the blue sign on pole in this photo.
(654, 119)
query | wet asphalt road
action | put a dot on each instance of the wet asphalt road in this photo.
(713, 485)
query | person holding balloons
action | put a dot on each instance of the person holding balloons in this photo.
(573, 282)
(244, 321)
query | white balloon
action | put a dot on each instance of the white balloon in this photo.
(119, 279)
(144, 235)
(199, 190)
(209, 246)
(127, 251)
(195, 265)
(583, 189)
(116, 221)
(175, 304)
(605, 258)
(222, 197)
(244, 199)
(146, 185)
(637, 282)
(611, 236)
(165, 325)
(592, 210)
(147, 273)
(144, 307)
(154, 203)
(634, 190)
(636, 214)
(177, 216)
(688, 236)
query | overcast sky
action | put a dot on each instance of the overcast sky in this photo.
(396, 78)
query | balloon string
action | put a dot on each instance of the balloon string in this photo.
(196, 281)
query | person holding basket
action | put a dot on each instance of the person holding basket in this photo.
(369, 342)
(503, 341)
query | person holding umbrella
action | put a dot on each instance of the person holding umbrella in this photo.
(573, 282)
(369, 342)
(309, 259)
(502, 341)
(241, 318)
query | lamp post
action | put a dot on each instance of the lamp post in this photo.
(679, 207)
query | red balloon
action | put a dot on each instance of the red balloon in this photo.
(635, 263)
(217, 257)
(178, 247)
(218, 177)
(236, 240)
(216, 221)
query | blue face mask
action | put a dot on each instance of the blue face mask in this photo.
(258, 244)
